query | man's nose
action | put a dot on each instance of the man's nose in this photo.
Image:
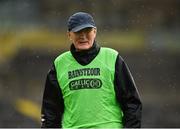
(82, 35)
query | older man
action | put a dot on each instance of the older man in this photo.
(89, 86)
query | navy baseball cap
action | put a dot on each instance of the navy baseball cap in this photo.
(79, 21)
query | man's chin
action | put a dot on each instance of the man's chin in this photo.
(83, 48)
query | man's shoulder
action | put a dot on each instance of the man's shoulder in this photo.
(112, 51)
(62, 55)
(109, 50)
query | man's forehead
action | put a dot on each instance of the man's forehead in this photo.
(85, 29)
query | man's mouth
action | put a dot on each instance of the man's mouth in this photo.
(83, 42)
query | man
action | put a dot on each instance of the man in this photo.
(89, 86)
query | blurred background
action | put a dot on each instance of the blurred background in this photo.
(145, 32)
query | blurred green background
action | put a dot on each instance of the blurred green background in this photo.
(145, 32)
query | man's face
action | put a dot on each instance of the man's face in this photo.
(83, 39)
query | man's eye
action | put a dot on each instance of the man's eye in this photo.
(86, 30)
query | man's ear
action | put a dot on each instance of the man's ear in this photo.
(95, 31)
(69, 35)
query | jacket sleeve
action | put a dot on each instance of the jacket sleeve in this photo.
(127, 95)
(52, 104)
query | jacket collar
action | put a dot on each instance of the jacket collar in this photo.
(86, 56)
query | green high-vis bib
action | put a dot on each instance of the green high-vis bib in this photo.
(88, 91)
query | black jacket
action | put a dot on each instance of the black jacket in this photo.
(125, 89)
